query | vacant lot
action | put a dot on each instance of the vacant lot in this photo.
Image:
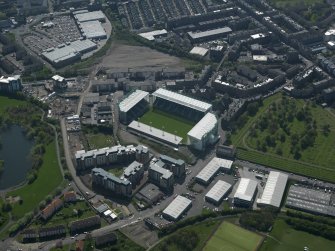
(284, 238)
(289, 134)
(229, 237)
(126, 56)
(99, 140)
(167, 122)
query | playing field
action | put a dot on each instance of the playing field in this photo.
(229, 237)
(285, 238)
(167, 122)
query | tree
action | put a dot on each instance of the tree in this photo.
(252, 108)
(6, 207)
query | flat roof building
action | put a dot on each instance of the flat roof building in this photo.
(204, 133)
(90, 16)
(93, 30)
(209, 35)
(200, 51)
(10, 84)
(212, 168)
(160, 176)
(218, 191)
(274, 190)
(152, 35)
(177, 207)
(310, 200)
(246, 192)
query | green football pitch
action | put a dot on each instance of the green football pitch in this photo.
(167, 122)
(229, 237)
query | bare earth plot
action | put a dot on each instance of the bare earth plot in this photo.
(126, 56)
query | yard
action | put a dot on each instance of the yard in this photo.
(49, 177)
(230, 237)
(99, 140)
(167, 122)
(278, 136)
(284, 238)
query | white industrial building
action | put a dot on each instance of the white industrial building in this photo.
(274, 190)
(129, 107)
(182, 100)
(212, 168)
(200, 51)
(204, 133)
(152, 35)
(177, 207)
(245, 193)
(93, 30)
(218, 192)
(90, 16)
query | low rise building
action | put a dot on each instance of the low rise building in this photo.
(177, 207)
(50, 209)
(107, 239)
(54, 231)
(70, 196)
(85, 224)
(245, 193)
(109, 182)
(218, 192)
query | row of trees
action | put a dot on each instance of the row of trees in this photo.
(185, 240)
(258, 220)
(314, 218)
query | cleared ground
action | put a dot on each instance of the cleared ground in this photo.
(167, 122)
(126, 56)
(229, 237)
(285, 238)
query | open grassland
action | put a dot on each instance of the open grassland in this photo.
(100, 140)
(167, 122)
(49, 177)
(287, 141)
(198, 233)
(229, 237)
(285, 238)
(6, 102)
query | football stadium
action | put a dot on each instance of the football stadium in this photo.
(172, 119)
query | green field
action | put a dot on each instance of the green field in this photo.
(315, 160)
(49, 177)
(167, 122)
(6, 102)
(174, 242)
(285, 238)
(99, 140)
(229, 237)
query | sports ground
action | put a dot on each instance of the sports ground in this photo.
(229, 237)
(167, 122)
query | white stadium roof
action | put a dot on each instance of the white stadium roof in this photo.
(132, 100)
(218, 191)
(182, 100)
(152, 34)
(246, 189)
(274, 189)
(177, 207)
(204, 126)
(213, 167)
(199, 51)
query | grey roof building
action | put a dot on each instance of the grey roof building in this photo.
(177, 207)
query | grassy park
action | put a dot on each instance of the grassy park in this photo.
(167, 122)
(233, 238)
(49, 177)
(288, 134)
(284, 238)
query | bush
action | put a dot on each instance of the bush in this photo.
(259, 220)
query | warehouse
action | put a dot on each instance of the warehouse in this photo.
(152, 35)
(93, 30)
(177, 207)
(209, 35)
(245, 193)
(274, 190)
(204, 133)
(133, 106)
(91, 16)
(310, 200)
(66, 54)
(212, 168)
(199, 51)
(218, 191)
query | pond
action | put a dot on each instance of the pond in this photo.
(15, 152)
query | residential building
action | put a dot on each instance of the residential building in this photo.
(50, 209)
(85, 224)
(134, 173)
(54, 231)
(177, 166)
(161, 176)
(10, 84)
(70, 196)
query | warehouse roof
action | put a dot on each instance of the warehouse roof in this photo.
(90, 16)
(93, 29)
(133, 99)
(204, 126)
(274, 189)
(177, 207)
(83, 45)
(182, 100)
(246, 189)
(203, 34)
(152, 34)
(213, 167)
(218, 190)
(199, 51)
